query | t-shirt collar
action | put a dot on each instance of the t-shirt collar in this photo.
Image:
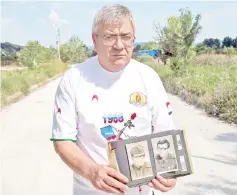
(108, 73)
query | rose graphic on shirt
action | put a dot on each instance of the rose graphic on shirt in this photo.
(168, 105)
(128, 124)
(133, 116)
(108, 131)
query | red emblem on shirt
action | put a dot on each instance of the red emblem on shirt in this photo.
(59, 110)
(94, 97)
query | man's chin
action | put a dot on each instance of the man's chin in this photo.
(120, 63)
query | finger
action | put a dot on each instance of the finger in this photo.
(150, 184)
(166, 182)
(157, 185)
(115, 183)
(114, 173)
(110, 189)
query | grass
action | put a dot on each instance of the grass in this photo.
(22, 80)
(211, 84)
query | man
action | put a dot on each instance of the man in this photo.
(165, 159)
(97, 93)
(139, 167)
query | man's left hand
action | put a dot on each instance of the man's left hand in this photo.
(162, 184)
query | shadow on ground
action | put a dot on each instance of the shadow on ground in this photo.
(227, 137)
(219, 158)
(215, 186)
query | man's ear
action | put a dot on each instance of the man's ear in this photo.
(93, 36)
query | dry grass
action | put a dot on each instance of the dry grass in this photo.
(215, 60)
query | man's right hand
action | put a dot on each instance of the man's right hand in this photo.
(108, 180)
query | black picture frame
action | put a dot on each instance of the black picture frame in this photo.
(120, 160)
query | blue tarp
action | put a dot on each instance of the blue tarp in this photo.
(153, 53)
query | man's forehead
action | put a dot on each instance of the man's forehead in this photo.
(124, 26)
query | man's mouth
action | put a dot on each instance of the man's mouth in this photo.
(119, 55)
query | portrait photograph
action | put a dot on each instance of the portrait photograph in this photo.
(164, 154)
(139, 160)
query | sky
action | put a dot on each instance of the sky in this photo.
(22, 21)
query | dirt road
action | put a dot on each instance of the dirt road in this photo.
(31, 167)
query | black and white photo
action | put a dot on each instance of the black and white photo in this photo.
(139, 160)
(164, 154)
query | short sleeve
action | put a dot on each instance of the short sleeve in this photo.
(64, 112)
(162, 119)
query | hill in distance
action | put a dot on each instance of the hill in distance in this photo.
(9, 49)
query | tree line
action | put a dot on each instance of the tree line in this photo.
(34, 54)
(217, 43)
(176, 40)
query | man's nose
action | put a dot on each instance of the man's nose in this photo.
(119, 44)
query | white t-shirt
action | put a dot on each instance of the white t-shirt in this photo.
(92, 105)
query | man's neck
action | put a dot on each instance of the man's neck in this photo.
(109, 67)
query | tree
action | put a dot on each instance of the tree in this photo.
(33, 54)
(214, 43)
(47, 54)
(227, 42)
(74, 51)
(235, 43)
(204, 49)
(30, 55)
(178, 36)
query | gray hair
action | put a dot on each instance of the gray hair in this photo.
(111, 13)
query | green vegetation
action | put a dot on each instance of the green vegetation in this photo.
(33, 54)
(204, 75)
(73, 51)
(41, 64)
(200, 77)
(22, 80)
(212, 88)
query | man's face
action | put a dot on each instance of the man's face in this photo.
(138, 160)
(114, 44)
(162, 150)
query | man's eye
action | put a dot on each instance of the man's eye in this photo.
(126, 37)
(108, 37)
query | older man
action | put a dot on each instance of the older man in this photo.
(95, 98)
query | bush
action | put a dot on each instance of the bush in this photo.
(34, 54)
(222, 103)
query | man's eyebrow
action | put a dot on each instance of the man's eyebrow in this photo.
(128, 33)
(123, 33)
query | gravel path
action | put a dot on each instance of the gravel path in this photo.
(31, 167)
